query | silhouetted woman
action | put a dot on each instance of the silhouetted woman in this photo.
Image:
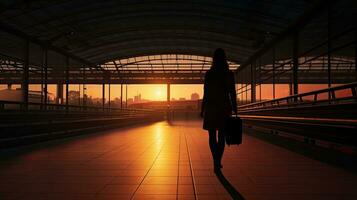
(219, 100)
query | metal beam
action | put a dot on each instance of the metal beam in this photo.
(168, 95)
(59, 93)
(315, 78)
(246, 93)
(116, 66)
(301, 21)
(84, 88)
(45, 68)
(329, 44)
(103, 96)
(273, 66)
(42, 81)
(306, 75)
(43, 44)
(79, 94)
(356, 55)
(109, 95)
(295, 62)
(25, 76)
(67, 82)
(252, 83)
(121, 96)
(260, 80)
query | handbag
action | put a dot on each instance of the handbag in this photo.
(234, 130)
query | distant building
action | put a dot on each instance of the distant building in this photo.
(137, 98)
(116, 102)
(11, 95)
(73, 97)
(182, 99)
(130, 101)
(90, 101)
(16, 95)
(195, 96)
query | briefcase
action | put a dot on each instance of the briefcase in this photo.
(234, 130)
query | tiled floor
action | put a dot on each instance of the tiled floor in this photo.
(162, 161)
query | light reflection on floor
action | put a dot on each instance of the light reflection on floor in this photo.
(154, 162)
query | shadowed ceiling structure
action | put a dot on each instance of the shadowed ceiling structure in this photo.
(100, 31)
(86, 34)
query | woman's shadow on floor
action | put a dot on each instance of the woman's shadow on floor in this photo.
(229, 187)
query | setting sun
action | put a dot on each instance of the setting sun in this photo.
(158, 93)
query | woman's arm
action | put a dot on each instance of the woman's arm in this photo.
(204, 99)
(232, 92)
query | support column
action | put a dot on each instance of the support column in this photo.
(42, 80)
(168, 95)
(126, 96)
(103, 96)
(84, 88)
(25, 77)
(241, 93)
(121, 96)
(168, 112)
(356, 56)
(109, 95)
(329, 44)
(273, 65)
(246, 92)
(252, 83)
(295, 63)
(290, 89)
(45, 66)
(260, 80)
(59, 93)
(79, 90)
(79, 94)
(67, 82)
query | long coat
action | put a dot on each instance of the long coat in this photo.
(219, 98)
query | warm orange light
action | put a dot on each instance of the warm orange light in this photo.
(158, 93)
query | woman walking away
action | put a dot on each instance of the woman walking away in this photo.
(219, 101)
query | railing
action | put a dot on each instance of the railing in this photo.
(323, 96)
(325, 117)
(41, 122)
(319, 47)
(33, 106)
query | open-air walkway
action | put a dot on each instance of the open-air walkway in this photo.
(165, 161)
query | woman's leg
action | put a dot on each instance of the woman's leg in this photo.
(221, 144)
(213, 143)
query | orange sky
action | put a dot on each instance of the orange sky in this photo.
(158, 91)
(151, 92)
(147, 91)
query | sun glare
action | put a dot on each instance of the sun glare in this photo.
(158, 93)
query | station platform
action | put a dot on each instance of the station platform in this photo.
(165, 161)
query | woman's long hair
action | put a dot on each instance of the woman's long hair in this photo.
(219, 60)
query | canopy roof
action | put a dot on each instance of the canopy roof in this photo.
(102, 31)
